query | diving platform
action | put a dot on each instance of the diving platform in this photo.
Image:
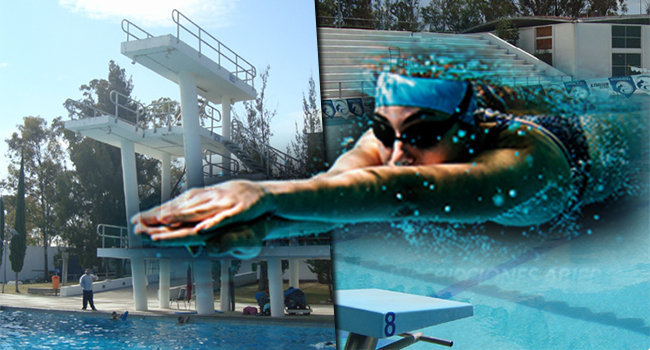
(371, 314)
(168, 56)
(153, 142)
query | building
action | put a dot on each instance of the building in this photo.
(585, 48)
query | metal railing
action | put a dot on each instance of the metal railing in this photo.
(209, 165)
(133, 111)
(122, 235)
(277, 163)
(126, 28)
(242, 69)
(207, 117)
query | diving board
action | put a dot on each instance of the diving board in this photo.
(377, 313)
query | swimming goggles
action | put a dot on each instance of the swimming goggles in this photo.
(424, 134)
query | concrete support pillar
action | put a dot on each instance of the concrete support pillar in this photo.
(225, 285)
(204, 287)
(294, 273)
(191, 130)
(64, 268)
(165, 178)
(163, 283)
(139, 284)
(227, 132)
(132, 205)
(275, 287)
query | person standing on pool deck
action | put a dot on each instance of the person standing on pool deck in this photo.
(431, 154)
(86, 283)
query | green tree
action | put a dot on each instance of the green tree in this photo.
(450, 16)
(494, 9)
(256, 133)
(19, 241)
(405, 15)
(606, 7)
(345, 13)
(536, 7)
(307, 145)
(96, 194)
(43, 161)
(507, 31)
(323, 271)
(2, 227)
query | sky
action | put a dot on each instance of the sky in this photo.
(48, 49)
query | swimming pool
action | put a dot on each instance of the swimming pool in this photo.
(47, 330)
(588, 292)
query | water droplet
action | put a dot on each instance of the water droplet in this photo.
(447, 208)
(589, 232)
(471, 151)
(600, 188)
(540, 176)
(596, 217)
(399, 196)
(426, 183)
(480, 199)
(521, 133)
(416, 213)
(498, 200)
(462, 133)
(516, 153)
(474, 164)
(454, 139)
(432, 186)
(512, 193)
(383, 188)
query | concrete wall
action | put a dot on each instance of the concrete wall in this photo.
(32, 265)
(584, 50)
(593, 50)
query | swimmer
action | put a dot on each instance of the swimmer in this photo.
(431, 154)
(183, 320)
(123, 317)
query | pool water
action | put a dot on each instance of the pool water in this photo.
(46, 330)
(581, 291)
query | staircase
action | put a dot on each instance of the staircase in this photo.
(347, 58)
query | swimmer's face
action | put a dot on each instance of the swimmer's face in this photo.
(411, 136)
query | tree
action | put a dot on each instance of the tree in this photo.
(96, 194)
(43, 161)
(2, 227)
(256, 133)
(536, 7)
(507, 31)
(451, 15)
(492, 10)
(405, 15)
(307, 145)
(323, 271)
(345, 13)
(606, 7)
(19, 241)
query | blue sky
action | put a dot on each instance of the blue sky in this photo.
(50, 48)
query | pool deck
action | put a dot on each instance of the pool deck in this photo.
(121, 300)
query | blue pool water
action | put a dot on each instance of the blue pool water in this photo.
(44, 330)
(590, 291)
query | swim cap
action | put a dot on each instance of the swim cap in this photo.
(447, 96)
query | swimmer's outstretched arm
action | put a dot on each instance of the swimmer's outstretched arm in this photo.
(523, 173)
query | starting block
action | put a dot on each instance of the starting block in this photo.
(371, 314)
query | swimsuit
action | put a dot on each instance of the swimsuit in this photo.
(566, 132)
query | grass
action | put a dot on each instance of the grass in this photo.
(316, 293)
(11, 289)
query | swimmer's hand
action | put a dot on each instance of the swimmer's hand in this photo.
(206, 208)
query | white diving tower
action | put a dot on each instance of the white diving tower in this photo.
(213, 71)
